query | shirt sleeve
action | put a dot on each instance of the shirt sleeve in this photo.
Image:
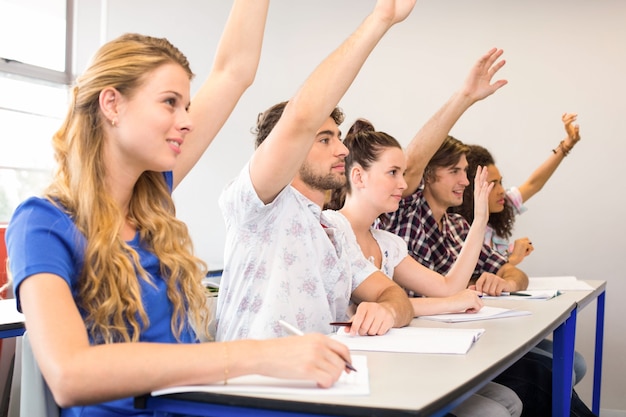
(41, 238)
(515, 198)
(360, 267)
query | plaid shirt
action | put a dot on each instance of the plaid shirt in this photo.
(434, 248)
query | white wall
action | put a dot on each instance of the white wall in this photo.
(563, 55)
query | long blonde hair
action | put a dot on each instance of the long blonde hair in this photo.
(109, 290)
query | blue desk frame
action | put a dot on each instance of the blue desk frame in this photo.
(7, 331)
(563, 355)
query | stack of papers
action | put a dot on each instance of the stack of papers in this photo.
(354, 383)
(485, 313)
(414, 340)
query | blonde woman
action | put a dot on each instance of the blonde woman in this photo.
(103, 271)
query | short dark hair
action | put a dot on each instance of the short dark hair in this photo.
(448, 154)
(267, 120)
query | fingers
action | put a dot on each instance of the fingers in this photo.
(326, 361)
(569, 117)
(371, 319)
(490, 284)
(473, 302)
(523, 246)
(571, 128)
(490, 57)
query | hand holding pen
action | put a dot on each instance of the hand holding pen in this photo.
(297, 332)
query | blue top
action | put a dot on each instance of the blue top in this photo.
(42, 238)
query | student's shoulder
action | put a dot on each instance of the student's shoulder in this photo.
(458, 221)
(35, 209)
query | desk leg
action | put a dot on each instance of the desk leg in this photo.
(562, 364)
(597, 364)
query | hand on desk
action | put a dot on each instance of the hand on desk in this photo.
(491, 284)
(310, 357)
(371, 319)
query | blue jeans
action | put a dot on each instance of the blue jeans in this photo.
(580, 366)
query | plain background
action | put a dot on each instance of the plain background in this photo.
(562, 56)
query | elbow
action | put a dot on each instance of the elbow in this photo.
(407, 313)
(242, 75)
(67, 386)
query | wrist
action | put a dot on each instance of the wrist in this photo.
(562, 149)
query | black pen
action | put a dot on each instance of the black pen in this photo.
(297, 332)
(520, 294)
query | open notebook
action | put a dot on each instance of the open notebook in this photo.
(354, 383)
(414, 340)
(485, 313)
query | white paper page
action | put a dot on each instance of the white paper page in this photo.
(414, 340)
(525, 295)
(354, 383)
(485, 313)
(558, 283)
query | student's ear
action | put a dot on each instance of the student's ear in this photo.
(109, 101)
(357, 176)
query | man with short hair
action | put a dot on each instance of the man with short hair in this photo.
(435, 237)
(283, 259)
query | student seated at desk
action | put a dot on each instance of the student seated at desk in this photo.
(283, 259)
(375, 168)
(103, 271)
(435, 237)
(506, 205)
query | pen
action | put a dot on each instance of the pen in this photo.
(341, 323)
(520, 294)
(297, 332)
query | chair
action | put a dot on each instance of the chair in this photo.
(34, 394)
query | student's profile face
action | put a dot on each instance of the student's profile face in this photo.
(448, 185)
(497, 198)
(325, 167)
(152, 122)
(383, 182)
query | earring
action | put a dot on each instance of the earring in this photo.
(113, 122)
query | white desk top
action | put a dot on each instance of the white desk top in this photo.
(9, 314)
(406, 384)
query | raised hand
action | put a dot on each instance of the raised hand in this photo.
(393, 11)
(572, 129)
(478, 84)
(482, 189)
